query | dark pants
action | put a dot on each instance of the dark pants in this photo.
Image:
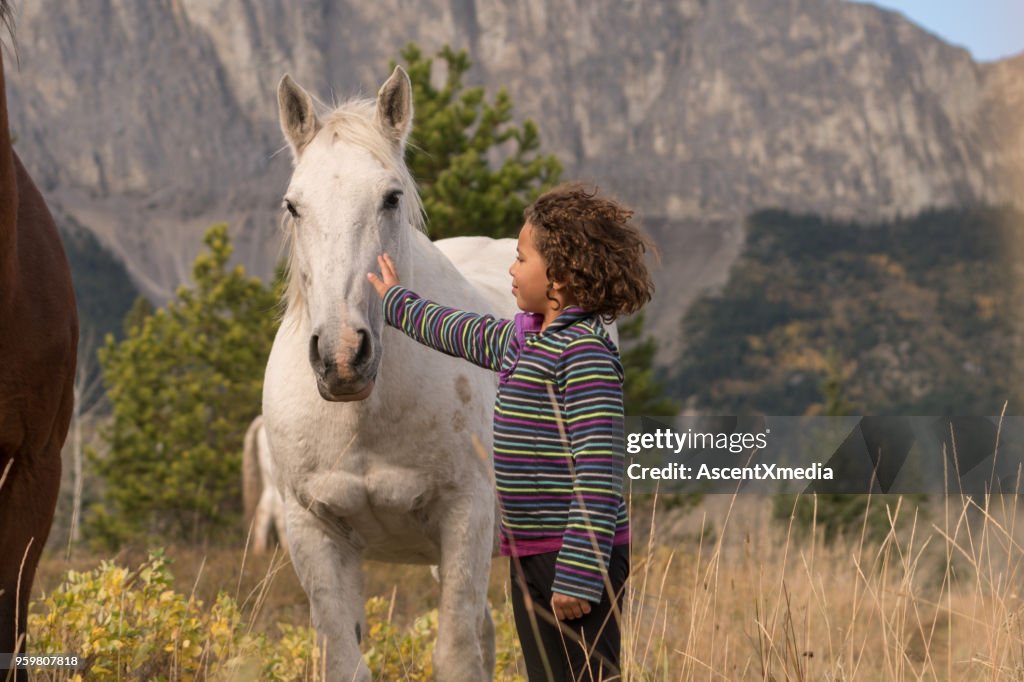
(584, 649)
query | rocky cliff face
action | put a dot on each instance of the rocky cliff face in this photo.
(149, 120)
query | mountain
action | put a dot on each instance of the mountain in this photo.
(148, 121)
(919, 316)
(104, 290)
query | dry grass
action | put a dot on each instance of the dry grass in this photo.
(936, 599)
(933, 600)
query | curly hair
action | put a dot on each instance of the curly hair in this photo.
(588, 242)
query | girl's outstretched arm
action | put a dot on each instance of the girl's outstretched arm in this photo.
(481, 339)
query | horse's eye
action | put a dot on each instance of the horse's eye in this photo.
(291, 208)
(391, 200)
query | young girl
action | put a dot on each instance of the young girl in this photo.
(558, 441)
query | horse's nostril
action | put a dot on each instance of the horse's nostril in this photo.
(314, 352)
(363, 354)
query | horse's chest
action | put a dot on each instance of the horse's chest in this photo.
(349, 492)
(384, 511)
(396, 489)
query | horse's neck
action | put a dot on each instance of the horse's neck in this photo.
(8, 196)
(433, 276)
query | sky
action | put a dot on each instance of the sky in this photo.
(990, 29)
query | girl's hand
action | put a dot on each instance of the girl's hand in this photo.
(387, 271)
(566, 607)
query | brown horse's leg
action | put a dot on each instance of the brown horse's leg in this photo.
(22, 542)
(28, 497)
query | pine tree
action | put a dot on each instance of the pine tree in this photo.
(642, 393)
(455, 134)
(183, 385)
(832, 385)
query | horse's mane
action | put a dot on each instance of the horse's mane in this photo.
(355, 122)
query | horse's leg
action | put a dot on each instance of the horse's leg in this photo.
(30, 498)
(277, 513)
(466, 543)
(17, 542)
(487, 639)
(328, 566)
(261, 523)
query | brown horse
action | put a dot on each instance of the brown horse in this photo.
(38, 346)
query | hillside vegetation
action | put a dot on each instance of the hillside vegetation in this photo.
(922, 313)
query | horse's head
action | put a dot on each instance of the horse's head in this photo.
(350, 198)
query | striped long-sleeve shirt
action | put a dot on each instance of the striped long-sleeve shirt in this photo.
(558, 429)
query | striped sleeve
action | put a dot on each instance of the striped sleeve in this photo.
(590, 379)
(481, 339)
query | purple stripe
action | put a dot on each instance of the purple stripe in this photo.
(532, 460)
(542, 533)
(569, 496)
(600, 536)
(520, 547)
(523, 384)
(562, 568)
(576, 386)
(535, 497)
(592, 422)
(525, 422)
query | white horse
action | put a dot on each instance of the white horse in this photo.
(262, 502)
(381, 446)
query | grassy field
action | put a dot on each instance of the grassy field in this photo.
(723, 592)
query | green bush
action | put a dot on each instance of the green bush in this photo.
(133, 625)
(184, 384)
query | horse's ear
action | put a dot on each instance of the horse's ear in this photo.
(394, 106)
(298, 118)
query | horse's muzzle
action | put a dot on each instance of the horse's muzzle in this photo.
(343, 394)
(344, 377)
